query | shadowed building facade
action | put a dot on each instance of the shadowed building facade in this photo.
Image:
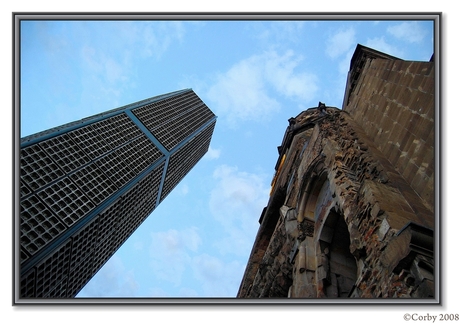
(352, 209)
(86, 186)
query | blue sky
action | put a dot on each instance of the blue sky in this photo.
(254, 75)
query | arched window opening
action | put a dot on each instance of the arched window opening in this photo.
(313, 197)
(338, 269)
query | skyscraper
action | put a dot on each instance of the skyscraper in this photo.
(86, 186)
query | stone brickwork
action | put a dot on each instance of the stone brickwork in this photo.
(344, 219)
(393, 102)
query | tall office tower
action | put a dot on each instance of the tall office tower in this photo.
(86, 186)
(352, 208)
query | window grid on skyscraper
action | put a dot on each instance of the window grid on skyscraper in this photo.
(86, 186)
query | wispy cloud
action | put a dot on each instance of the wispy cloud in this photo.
(217, 278)
(240, 94)
(212, 154)
(187, 292)
(107, 68)
(170, 253)
(157, 38)
(344, 66)
(280, 73)
(183, 189)
(113, 280)
(236, 201)
(380, 44)
(410, 31)
(280, 32)
(247, 91)
(340, 42)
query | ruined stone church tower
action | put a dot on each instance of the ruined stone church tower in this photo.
(352, 208)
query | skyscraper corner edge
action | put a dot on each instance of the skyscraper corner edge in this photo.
(85, 188)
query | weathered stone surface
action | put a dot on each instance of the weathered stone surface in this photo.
(351, 220)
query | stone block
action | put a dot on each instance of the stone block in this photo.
(427, 192)
(310, 258)
(392, 152)
(405, 96)
(427, 85)
(424, 290)
(321, 273)
(416, 81)
(383, 229)
(300, 262)
(398, 219)
(404, 116)
(423, 128)
(404, 139)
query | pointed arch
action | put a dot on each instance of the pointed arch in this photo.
(337, 267)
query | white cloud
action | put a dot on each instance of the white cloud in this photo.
(89, 60)
(175, 252)
(380, 44)
(188, 293)
(138, 245)
(157, 292)
(103, 67)
(157, 38)
(183, 189)
(114, 71)
(341, 42)
(170, 253)
(278, 32)
(174, 241)
(217, 278)
(112, 280)
(410, 31)
(240, 94)
(279, 70)
(245, 91)
(108, 68)
(236, 202)
(212, 154)
(333, 95)
(146, 38)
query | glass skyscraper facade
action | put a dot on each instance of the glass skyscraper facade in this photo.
(86, 186)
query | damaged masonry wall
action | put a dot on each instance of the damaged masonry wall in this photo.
(342, 220)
